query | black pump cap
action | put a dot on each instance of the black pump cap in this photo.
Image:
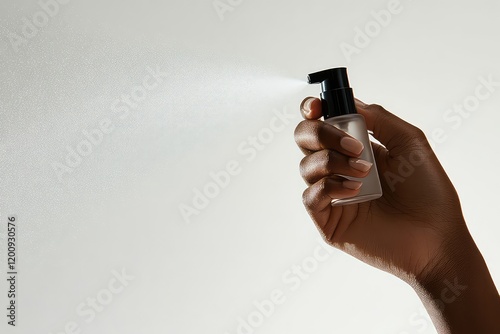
(336, 97)
(333, 78)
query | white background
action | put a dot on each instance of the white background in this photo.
(226, 77)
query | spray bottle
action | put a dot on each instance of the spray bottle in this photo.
(337, 103)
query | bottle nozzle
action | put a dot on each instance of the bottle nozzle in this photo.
(334, 78)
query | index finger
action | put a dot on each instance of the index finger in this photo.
(315, 135)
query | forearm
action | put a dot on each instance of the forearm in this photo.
(460, 295)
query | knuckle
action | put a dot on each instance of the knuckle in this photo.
(327, 161)
(305, 198)
(322, 184)
(303, 166)
(377, 108)
(316, 127)
(417, 136)
(418, 133)
(298, 130)
(312, 127)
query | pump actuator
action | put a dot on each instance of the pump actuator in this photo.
(336, 96)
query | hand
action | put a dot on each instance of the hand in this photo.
(409, 230)
(415, 231)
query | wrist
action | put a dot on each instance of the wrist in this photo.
(458, 291)
(457, 255)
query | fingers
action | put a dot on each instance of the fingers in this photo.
(326, 163)
(315, 135)
(318, 197)
(311, 108)
(394, 133)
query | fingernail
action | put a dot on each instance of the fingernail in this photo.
(352, 145)
(307, 105)
(361, 103)
(353, 185)
(361, 165)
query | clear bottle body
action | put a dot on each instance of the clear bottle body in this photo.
(354, 125)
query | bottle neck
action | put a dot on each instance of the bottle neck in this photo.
(337, 102)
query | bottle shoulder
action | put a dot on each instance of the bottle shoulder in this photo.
(345, 118)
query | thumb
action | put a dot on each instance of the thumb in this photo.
(397, 135)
